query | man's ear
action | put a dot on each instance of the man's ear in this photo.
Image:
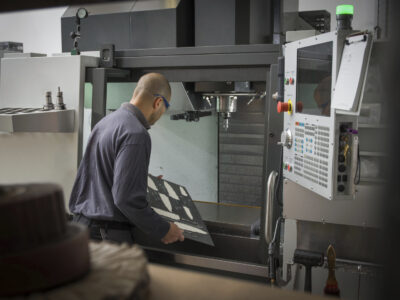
(154, 106)
(156, 102)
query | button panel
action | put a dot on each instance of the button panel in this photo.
(288, 167)
(344, 157)
(311, 148)
(289, 81)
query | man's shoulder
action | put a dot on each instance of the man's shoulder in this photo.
(123, 126)
(122, 117)
(128, 126)
(134, 135)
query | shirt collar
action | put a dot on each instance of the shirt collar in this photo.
(137, 112)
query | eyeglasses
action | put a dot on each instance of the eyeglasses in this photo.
(165, 100)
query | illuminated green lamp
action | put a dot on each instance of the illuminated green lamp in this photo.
(344, 16)
(345, 9)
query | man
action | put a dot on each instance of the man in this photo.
(109, 193)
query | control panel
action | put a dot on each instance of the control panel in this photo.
(318, 145)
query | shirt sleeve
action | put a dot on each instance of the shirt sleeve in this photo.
(130, 190)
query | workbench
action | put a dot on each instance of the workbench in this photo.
(123, 272)
(177, 284)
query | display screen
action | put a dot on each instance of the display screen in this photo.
(314, 79)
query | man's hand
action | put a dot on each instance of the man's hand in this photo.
(174, 234)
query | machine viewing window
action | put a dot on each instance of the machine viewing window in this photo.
(314, 79)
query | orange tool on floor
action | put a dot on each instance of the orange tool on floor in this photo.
(331, 287)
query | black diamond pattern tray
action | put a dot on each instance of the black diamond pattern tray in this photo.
(173, 203)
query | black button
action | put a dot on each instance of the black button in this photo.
(341, 158)
(339, 178)
(341, 188)
(344, 178)
(342, 168)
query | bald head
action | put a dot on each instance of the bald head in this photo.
(148, 96)
(153, 83)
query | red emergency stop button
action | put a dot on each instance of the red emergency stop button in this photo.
(289, 168)
(282, 107)
(291, 80)
(299, 106)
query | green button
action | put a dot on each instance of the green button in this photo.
(345, 9)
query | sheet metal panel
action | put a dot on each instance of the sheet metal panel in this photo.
(299, 203)
(132, 25)
(350, 242)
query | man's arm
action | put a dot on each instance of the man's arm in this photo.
(130, 189)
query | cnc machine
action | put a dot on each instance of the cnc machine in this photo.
(222, 137)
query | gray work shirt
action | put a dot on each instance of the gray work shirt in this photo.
(111, 183)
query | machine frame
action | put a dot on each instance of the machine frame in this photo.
(247, 254)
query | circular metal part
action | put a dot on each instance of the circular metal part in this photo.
(10, 191)
(60, 106)
(47, 266)
(30, 215)
(82, 13)
(38, 249)
(60, 100)
(287, 138)
(49, 103)
(226, 104)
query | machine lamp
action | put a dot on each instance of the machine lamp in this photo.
(344, 16)
(345, 9)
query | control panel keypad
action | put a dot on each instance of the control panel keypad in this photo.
(311, 147)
